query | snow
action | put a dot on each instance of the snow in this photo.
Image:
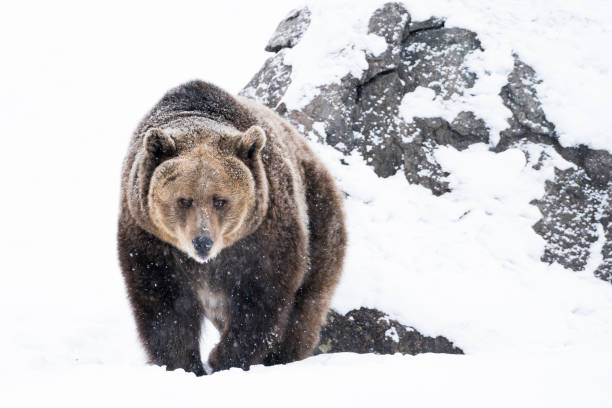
(75, 80)
(483, 100)
(466, 265)
(392, 334)
(335, 380)
(565, 42)
(330, 49)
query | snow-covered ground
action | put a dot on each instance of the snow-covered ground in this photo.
(75, 79)
(341, 380)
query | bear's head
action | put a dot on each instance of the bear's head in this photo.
(205, 192)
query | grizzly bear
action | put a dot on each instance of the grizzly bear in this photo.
(227, 214)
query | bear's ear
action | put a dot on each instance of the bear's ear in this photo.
(158, 145)
(251, 142)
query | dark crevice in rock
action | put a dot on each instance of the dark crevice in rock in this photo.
(369, 81)
(292, 16)
(388, 22)
(433, 23)
(372, 331)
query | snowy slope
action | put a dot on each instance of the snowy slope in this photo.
(467, 264)
(75, 81)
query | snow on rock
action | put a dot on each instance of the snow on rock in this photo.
(562, 42)
(452, 80)
(466, 264)
(327, 51)
(290, 30)
(392, 334)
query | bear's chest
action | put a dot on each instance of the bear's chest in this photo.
(215, 305)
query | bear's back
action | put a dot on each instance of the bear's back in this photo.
(202, 99)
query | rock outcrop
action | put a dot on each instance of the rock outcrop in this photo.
(364, 114)
(367, 330)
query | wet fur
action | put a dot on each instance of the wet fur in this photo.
(269, 292)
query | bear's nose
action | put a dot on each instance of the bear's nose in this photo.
(202, 245)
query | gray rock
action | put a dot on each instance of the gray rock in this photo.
(290, 30)
(271, 82)
(575, 200)
(333, 106)
(362, 114)
(528, 121)
(375, 118)
(571, 210)
(604, 271)
(371, 331)
(389, 22)
(596, 163)
(435, 59)
(420, 165)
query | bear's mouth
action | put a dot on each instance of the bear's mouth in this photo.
(201, 260)
(204, 259)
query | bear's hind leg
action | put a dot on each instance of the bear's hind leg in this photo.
(302, 335)
(327, 240)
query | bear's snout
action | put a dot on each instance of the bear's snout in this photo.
(202, 245)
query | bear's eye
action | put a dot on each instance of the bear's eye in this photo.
(185, 202)
(218, 203)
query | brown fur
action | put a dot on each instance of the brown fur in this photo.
(278, 238)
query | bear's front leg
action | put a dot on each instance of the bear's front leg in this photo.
(256, 326)
(169, 324)
(167, 311)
